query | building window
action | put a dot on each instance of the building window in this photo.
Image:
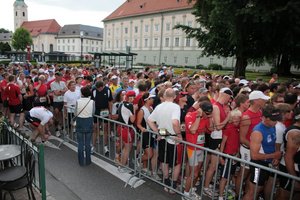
(16, 13)
(117, 31)
(58, 48)
(96, 42)
(165, 59)
(108, 32)
(146, 43)
(63, 41)
(86, 49)
(73, 48)
(136, 29)
(168, 26)
(175, 59)
(23, 14)
(97, 49)
(155, 42)
(146, 28)
(63, 48)
(188, 42)
(68, 48)
(186, 60)
(126, 43)
(145, 58)
(135, 43)
(167, 41)
(58, 41)
(126, 30)
(92, 42)
(92, 49)
(73, 40)
(154, 58)
(211, 60)
(189, 23)
(177, 42)
(156, 26)
(86, 41)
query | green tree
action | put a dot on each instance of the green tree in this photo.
(250, 30)
(21, 39)
(4, 47)
(3, 30)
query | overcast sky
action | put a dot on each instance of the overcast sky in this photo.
(88, 12)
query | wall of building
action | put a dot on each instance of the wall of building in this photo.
(42, 42)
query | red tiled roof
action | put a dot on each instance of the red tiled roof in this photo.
(139, 7)
(41, 26)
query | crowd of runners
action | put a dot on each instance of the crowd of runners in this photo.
(255, 120)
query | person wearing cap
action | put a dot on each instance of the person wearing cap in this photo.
(165, 120)
(263, 150)
(250, 118)
(58, 87)
(221, 117)
(197, 123)
(126, 115)
(114, 84)
(148, 140)
(290, 162)
(190, 88)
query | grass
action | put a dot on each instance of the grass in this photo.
(249, 75)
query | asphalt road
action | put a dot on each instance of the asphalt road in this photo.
(66, 180)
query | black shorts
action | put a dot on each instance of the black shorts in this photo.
(214, 143)
(148, 140)
(169, 153)
(16, 109)
(58, 105)
(99, 120)
(207, 139)
(226, 166)
(257, 175)
(32, 120)
(285, 183)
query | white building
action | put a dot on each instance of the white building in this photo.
(71, 38)
(146, 27)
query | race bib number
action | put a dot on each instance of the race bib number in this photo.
(60, 98)
(216, 134)
(104, 113)
(201, 139)
(43, 99)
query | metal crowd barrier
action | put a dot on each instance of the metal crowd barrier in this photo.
(11, 136)
(112, 141)
(152, 169)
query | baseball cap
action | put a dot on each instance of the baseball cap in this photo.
(114, 77)
(182, 94)
(41, 71)
(272, 113)
(226, 90)
(206, 107)
(258, 95)
(297, 86)
(150, 96)
(243, 82)
(130, 93)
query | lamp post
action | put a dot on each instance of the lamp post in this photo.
(81, 47)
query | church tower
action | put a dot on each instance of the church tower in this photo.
(20, 13)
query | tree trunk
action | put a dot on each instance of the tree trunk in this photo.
(283, 66)
(240, 67)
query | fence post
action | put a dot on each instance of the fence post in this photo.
(42, 171)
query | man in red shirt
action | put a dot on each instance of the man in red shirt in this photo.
(197, 123)
(14, 97)
(3, 85)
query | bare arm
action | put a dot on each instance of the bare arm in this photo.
(139, 120)
(244, 127)
(216, 117)
(255, 145)
(195, 125)
(291, 150)
(152, 125)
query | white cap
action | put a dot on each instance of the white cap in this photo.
(150, 96)
(164, 67)
(131, 80)
(297, 86)
(226, 90)
(258, 95)
(114, 77)
(99, 75)
(244, 82)
(41, 71)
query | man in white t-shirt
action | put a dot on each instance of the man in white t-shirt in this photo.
(165, 119)
(40, 118)
(70, 98)
(59, 88)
